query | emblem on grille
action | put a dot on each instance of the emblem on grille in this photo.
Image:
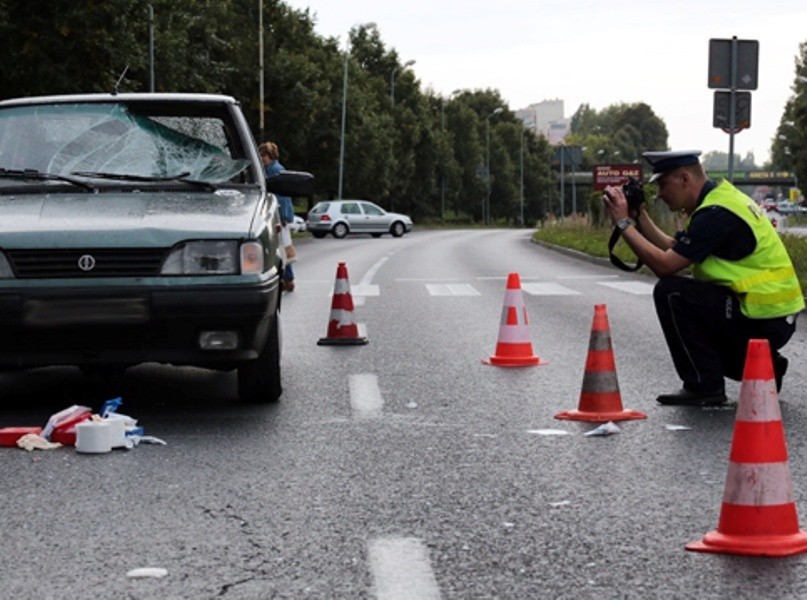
(86, 262)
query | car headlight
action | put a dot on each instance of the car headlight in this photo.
(214, 257)
(5, 268)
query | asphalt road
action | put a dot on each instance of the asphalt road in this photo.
(405, 468)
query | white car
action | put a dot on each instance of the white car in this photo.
(341, 217)
(298, 224)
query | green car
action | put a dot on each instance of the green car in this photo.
(139, 228)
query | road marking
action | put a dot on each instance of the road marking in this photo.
(365, 396)
(401, 569)
(451, 289)
(548, 288)
(640, 288)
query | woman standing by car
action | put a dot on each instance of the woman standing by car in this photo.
(270, 158)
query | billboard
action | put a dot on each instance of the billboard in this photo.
(605, 175)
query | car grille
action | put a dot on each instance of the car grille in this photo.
(107, 262)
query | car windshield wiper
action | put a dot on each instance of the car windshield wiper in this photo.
(183, 177)
(33, 174)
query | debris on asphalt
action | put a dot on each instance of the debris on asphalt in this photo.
(548, 431)
(103, 432)
(608, 428)
(34, 441)
(670, 427)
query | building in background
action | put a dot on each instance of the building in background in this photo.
(546, 118)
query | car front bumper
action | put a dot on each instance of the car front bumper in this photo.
(132, 325)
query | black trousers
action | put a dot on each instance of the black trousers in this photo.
(707, 333)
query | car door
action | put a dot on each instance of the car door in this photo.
(351, 213)
(376, 220)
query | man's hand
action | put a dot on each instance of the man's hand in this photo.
(615, 203)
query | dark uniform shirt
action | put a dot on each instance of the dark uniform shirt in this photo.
(714, 231)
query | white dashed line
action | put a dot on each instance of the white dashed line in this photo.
(365, 397)
(401, 569)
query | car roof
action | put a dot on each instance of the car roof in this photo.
(111, 97)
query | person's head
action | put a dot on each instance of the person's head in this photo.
(680, 178)
(268, 152)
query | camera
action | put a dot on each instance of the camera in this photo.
(634, 193)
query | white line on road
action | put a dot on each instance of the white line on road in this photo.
(547, 288)
(451, 289)
(365, 397)
(401, 569)
(640, 288)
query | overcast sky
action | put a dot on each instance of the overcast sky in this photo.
(598, 52)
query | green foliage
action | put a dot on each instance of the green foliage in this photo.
(577, 233)
(423, 153)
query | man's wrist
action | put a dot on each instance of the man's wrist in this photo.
(625, 222)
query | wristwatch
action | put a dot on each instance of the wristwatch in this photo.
(623, 224)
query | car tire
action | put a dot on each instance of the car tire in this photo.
(340, 230)
(397, 229)
(259, 380)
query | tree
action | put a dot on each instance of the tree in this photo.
(789, 146)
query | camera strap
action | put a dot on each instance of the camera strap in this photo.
(615, 235)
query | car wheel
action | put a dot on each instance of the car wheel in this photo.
(397, 229)
(339, 230)
(318, 234)
(259, 380)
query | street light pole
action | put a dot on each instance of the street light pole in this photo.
(344, 115)
(527, 124)
(408, 63)
(344, 111)
(486, 206)
(443, 174)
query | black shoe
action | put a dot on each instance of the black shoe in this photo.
(687, 398)
(780, 368)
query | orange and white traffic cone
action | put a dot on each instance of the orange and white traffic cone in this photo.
(342, 330)
(600, 400)
(758, 516)
(514, 348)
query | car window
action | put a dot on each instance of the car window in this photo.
(371, 209)
(350, 208)
(320, 208)
(114, 138)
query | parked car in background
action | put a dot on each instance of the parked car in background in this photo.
(139, 228)
(786, 207)
(298, 224)
(343, 217)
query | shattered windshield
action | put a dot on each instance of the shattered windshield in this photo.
(65, 139)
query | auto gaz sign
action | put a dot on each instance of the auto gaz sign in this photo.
(605, 175)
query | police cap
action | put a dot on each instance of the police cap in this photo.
(664, 162)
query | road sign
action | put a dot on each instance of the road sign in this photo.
(742, 111)
(605, 175)
(721, 62)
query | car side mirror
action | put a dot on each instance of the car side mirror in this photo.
(291, 183)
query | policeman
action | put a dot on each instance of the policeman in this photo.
(743, 286)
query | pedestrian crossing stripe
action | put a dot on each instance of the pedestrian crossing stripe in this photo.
(548, 289)
(451, 289)
(640, 288)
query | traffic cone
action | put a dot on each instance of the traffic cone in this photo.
(600, 400)
(514, 348)
(758, 516)
(342, 331)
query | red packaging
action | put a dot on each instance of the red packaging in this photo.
(10, 435)
(65, 433)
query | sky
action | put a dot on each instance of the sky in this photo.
(599, 52)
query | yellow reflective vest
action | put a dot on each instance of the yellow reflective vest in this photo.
(765, 281)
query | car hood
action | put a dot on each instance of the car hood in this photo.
(125, 220)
